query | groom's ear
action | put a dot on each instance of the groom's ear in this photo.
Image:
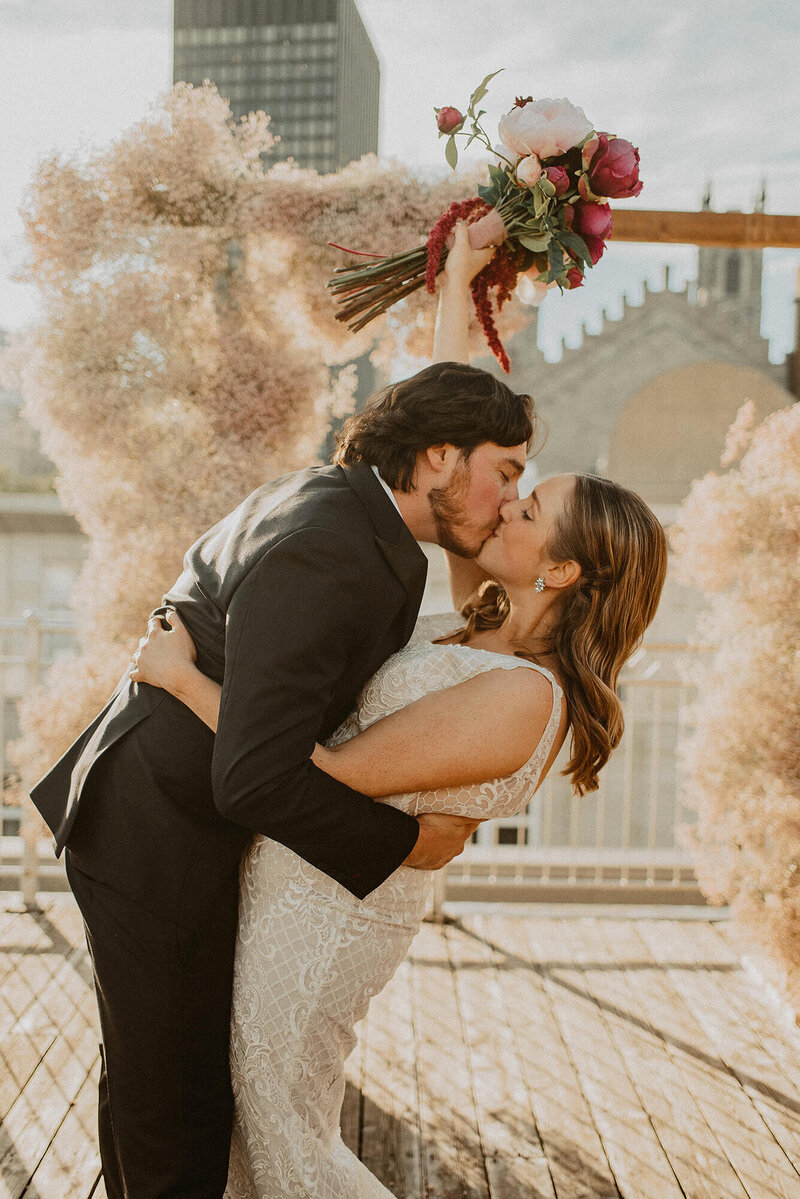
(441, 458)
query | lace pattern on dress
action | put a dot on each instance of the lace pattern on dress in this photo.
(310, 955)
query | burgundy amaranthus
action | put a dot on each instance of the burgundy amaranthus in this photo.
(500, 275)
(459, 210)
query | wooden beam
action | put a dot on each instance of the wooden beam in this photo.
(747, 230)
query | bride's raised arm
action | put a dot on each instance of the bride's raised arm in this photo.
(451, 344)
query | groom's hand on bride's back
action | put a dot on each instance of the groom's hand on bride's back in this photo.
(441, 838)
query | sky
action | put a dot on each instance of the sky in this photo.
(709, 90)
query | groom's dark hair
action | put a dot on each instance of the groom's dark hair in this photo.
(447, 402)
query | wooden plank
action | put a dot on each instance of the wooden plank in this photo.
(70, 1168)
(564, 1118)
(452, 1155)
(778, 1034)
(715, 1005)
(747, 230)
(637, 1158)
(36, 1116)
(760, 1163)
(699, 1164)
(514, 1157)
(391, 1145)
(52, 1033)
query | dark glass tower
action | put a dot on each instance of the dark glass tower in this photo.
(308, 63)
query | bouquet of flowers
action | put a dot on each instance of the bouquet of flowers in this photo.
(544, 207)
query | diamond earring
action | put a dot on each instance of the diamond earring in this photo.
(539, 585)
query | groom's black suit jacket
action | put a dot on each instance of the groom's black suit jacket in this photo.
(293, 601)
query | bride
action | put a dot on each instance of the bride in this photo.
(466, 719)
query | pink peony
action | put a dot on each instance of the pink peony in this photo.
(558, 177)
(449, 120)
(529, 170)
(544, 127)
(612, 168)
(594, 224)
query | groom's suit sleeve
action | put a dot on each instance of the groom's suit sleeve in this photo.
(293, 626)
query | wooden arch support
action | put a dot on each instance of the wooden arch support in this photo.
(747, 230)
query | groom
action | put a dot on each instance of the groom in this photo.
(293, 601)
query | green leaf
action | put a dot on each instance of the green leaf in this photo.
(482, 85)
(556, 263)
(540, 204)
(575, 243)
(490, 195)
(535, 244)
(451, 152)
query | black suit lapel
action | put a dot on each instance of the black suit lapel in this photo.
(401, 551)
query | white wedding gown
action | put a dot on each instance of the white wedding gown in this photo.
(310, 955)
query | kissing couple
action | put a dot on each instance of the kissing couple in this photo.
(252, 823)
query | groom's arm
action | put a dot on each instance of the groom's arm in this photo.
(293, 626)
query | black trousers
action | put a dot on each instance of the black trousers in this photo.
(163, 992)
(154, 872)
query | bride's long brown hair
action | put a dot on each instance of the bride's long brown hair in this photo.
(622, 552)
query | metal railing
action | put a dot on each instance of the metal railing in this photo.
(28, 646)
(620, 842)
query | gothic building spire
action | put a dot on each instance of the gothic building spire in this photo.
(730, 278)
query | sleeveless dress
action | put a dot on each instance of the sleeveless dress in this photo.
(310, 955)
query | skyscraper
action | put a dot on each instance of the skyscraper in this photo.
(308, 63)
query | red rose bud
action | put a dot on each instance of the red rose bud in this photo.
(559, 179)
(613, 168)
(594, 224)
(574, 278)
(449, 120)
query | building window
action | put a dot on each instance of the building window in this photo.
(733, 273)
(58, 581)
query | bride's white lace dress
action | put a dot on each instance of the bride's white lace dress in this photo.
(310, 955)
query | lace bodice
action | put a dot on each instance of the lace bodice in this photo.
(422, 667)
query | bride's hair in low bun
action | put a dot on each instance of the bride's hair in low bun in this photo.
(622, 552)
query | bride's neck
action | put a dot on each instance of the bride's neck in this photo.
(528, 627)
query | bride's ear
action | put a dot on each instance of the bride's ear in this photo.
(562, 574)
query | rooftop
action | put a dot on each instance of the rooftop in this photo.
(517, 1052)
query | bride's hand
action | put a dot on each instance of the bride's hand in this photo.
(165, 657)
(463, 262)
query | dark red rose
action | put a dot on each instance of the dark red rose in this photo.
(559, 179)
(574, 278)
(612, 166)
(594, 224)
(449, 120)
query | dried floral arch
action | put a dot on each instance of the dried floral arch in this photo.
(184, 352)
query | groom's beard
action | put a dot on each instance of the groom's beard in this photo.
(454, 530)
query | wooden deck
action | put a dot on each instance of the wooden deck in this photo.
(513, 1056)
